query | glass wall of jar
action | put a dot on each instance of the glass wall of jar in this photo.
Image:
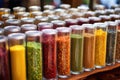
(7, 16)
(17, 56)
(58, 23)
(100, 44)
(89, 14)
(49, 7)
(65, 16)
(109, 11)
(89, 47)
(39, 19)
(111, 43)
(11, 29)
(117, 10)
(1, 31)
(105, 18)
(2, 24)
(53, 17)
(93, 20)
(18, 9)
(82, 21)
(36, 13)
(77, 38)
(4, 59)
(45, 25)
(20, 15)
(70, 22)
(49, 47)
(28, 27)
(34, 8)
(118, 42)
(47, 12)
(27, 20)
(63, 52)
(4, 11)
(34, 55)
(76, 15)
(114, 17)
(14, 22)
(65, 6)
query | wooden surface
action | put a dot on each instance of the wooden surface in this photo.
(86, 74)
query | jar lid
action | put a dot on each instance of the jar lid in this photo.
(76, 27)
(118, 22)
(42, 18)
(100, 25)
(2, 38)
(53, 17)
(111, 23)
(13, 21)
(65, 6)
(58, 22)
(104, 17)
(29, 27)
(8, 16)
(45, 24)
(49, 31)
(83, 19)
(49, 7)
(36, 13)
(88, 26)
(63, 29)
(33, 33)
(5, 10)
(28, 19)
(95, 18)
(83, 8)
(114, 16)
(16, 36)
(71, 20)
(19, 8)
(12, 28)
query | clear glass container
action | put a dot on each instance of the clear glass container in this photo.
(59, 11)
(28, 27)
(89, 14)
(40, 19)
(34, 8)
(27, 20)
(82, 21)
(65, 6)
(7, 16)
(4, 59)
(20, 15)
(114, 17)
(89, 47)
(47, 12)
(65, 16)
(77, 40)
(17, 56)
(76, 15)
(105, 18)
(49, 7)
(63, 52)
(58, 23)
(13, 22)
(18, 9)
(70, 22)
(53, 17)
(93, 20)
(34, 55)
(49, 47)
(1, 31)
(36, 13)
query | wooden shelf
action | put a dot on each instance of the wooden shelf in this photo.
(86, 74)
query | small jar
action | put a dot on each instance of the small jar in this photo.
(99, 12)
(109, 11)
(111, 43)
(2, 24)
(34, 8)
(82, 21)
(82, 8)
(7, 16)
(89, 47)
(65, 6)
(63, 52)
(27, 20)
(45, 25)
(11, 29)
(70, 22)
(49, 7)
(105, 18)
(59, 11)
(100, 44)
(65, 16)
(76, 15)
(53, 17)
(114, 17)
(17, 56)
(49, 46)
(34, 55)
(47, 12)
(89, 14)
(13, 22)
(71, 10)
(28, 27)
(58, 23)
(20, 15)
(18, 9)
(4, 59)
(93, 20)
(36, 13)
(40, 19)
(4, 11)
(117, 10)
(77, 40)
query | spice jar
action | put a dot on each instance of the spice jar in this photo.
(49, 7)
(77, 39)
(59, 11)
(4, 59)
(100, 44)
(36, 13)
(118, 42)
(2, 24)
(14, 22)
(1, 31)
(63, 52)
(28, 27)
(53, 17)
(65, 6)
(65, 16)
(70, 22)
(18, 9)
(17, 56)
(34, 55)
(82, 21)
(109, 11)
(4, 11)
(58, 23)
(21, 15)
(89, 47)
(93, 20)
(82, 8)
(76, 15)
(117, 10)
(89, 14)
(49, 38)
(105, 18)
(45, 25)
(99, 12)
(47, 12)
(11, 29)
(114, 17)
(71, 10)
(34, 8)
(28, 20)
(7, 16)
(111, 43)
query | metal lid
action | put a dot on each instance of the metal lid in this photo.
(63, 29)
(13, 21)
(34, 8)
(49, 31)
(19, 9)
(29, 27)
(16, 36)
(12, 28)
(33, 33)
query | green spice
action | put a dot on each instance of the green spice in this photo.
(34, 61)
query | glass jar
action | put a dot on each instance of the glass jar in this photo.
(65, 16)
(49, 46)
(17, 56)
(93, 20)
(100, 44)
(13, 22)
(111, 43)
(34, 55)
(4, 59)
(82, 21)
(45, 25)
(83, 8)
(65, 6)
(105, 18)
(109, 11)
(114, 17)
(117, 10)
(1, 31)
(7, 16)
(89, 14)
(77, 38)
(76, 15)
(34, 8)
(49, 7)
(36, 13)
(18, 9)
(28, 27)
(70, 22)
(63, 52)
(58, 23)
(59, 11)
(2, 24)
(40, 19)
(11, 29)
(53, 17)
(71, 10)
(47, 12)
(21, 15)
(99, 13)
(89, 47)
(27, 20)
(4, 11)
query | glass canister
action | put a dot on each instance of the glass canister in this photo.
(4, 59)
(114, 17)
(58, 23)
(111, 43)
(49, 47)
(14, 22)
(7, 16)
(34, 8)
(1, 31)
(27, 20)
(100, 44)
(70, 22)
(28, 27)
(118, 42)
(34, 55)
(45, 25)
(93, 20)
(18, 9)
(77, 38)
(11, 29)
(63, 52)
(17, 56)
(82, 21)
(105, 18)
(89, 47)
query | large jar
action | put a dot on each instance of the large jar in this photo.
(4, 59)
(100, 44)
(34, 55)
(49, 39)
(17, 56)
(77, 38)
(63, 52)
(12, 22)
(89, 47)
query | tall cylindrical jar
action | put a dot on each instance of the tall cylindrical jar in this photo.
(77, 38)
(4, 59)
(49, 39)
(17, 56)
(34, 55)
(89, 47)
(63, 52)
